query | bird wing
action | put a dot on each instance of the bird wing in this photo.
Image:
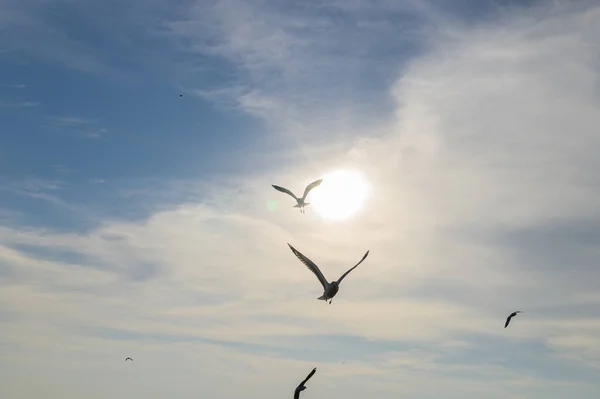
(128, 358)
(297, 394)
(284, 190)
(354, 267)
(310, 187)
(309, 375)
(311, 266)
(507, 321)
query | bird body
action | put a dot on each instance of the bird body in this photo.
(128, 358)
(330, 289)
(301, 387)
(300, 202)
(513, 314)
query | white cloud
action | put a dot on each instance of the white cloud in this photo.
(301, 70)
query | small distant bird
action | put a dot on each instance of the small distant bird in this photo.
(301, 201)
(301, 387)
(128, 358)
(330, 289)
(513, 314)
(181, 95)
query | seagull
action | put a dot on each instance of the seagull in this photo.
(301, 387)
(301, 204)
(513, 314)
(330, 289)
(128, 358)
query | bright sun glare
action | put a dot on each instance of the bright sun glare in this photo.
(341, 194)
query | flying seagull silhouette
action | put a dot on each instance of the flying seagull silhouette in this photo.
(513, 314)
(301, 387)
(128, 358)
(301, 201)
(330, 289)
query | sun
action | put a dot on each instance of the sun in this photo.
(341, 194)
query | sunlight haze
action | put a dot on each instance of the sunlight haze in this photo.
(341, 195)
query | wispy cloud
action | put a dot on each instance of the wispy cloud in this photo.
(86, 128)
(34, 188)
(71, 121)
(300, 52)
(19, 104)
(13, 86)
(61, 169)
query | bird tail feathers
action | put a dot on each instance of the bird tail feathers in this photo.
(322, 297)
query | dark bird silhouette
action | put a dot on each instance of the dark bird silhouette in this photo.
(513, 314)
(301, 387)
(301, 202)
(181, 95)
(128, 358)
(330, 289)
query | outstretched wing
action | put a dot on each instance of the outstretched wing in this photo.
(310, 187)
(354, 267)
(309, 375)
(284, 190)
(311, 266)
(513, 314)
(128, 358)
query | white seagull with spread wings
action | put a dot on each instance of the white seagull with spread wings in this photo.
(513, 314)
(300, 201)
(330, 289)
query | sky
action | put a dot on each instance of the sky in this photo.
(138, 144)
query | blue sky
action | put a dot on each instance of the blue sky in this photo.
(135, 222)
